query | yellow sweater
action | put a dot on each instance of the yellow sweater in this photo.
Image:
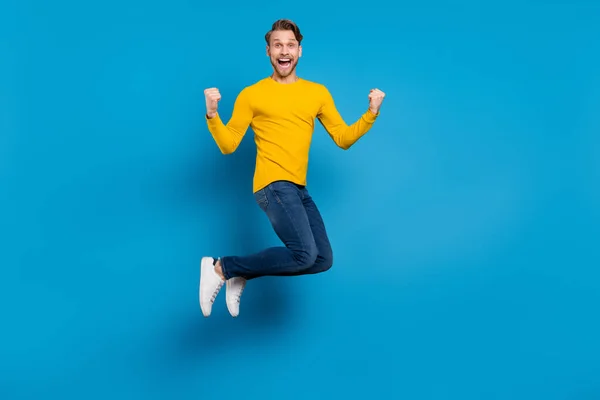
(282, 117)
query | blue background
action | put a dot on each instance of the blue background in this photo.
(464, 225)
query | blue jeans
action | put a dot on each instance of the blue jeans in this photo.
(298, 223)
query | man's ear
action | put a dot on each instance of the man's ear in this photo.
(268, 55)
(299, 51)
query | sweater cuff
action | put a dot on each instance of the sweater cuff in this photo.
(212, 121)
(370, 117)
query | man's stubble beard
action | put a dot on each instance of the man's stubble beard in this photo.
(291, 70)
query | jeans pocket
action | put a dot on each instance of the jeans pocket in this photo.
(261, 199)
(282, 191)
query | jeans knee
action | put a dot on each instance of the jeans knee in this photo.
(307, 256)
(325, 261)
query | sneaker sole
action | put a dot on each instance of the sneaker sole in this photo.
(206, 308)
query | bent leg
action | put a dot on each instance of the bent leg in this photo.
(283, 204)
(324, 259)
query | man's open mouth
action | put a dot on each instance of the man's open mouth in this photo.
(284, 62)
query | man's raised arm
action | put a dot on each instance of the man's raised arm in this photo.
(343, 135)
(228, 136)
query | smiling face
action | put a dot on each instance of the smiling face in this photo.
(284, 49)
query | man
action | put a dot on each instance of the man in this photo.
(281, 109)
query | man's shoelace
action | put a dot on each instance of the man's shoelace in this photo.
(239, 294)
(214, 295)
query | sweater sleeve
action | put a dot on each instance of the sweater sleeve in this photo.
(229, 136)
(343, 135)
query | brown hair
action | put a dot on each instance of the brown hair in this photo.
(284, 25)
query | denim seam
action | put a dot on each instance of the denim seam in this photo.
(266, 199)
(289, 215)
(261, 199)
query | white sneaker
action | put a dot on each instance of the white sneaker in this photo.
(233, 293)
(210, 285)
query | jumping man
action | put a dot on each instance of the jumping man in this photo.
(281, 109)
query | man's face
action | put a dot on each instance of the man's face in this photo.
(284, 52)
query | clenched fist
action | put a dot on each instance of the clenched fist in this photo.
(375, 99)
(212, 96)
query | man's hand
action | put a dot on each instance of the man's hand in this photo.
(375, 99)
(212, 96)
